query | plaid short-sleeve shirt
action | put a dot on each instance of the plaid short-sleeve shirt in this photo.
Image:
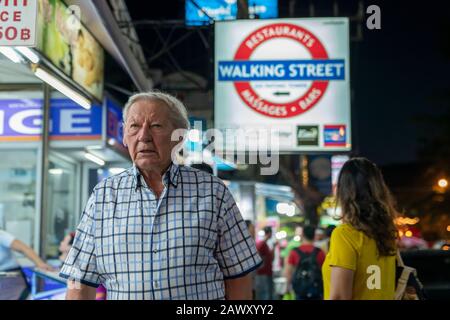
(180, 246)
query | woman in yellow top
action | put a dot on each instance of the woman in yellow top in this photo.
(360, 264)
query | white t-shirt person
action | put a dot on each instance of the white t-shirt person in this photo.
(8, 244)
(7, 260)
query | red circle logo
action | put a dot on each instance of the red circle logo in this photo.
(275, 109)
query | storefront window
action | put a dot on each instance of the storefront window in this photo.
(18, 193)
(62, 202)
(19, 144)
(96, 175)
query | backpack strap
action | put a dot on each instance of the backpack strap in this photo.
(300, 253)
(303, 254)
(315, 252)
(402, 281)
(399, 259)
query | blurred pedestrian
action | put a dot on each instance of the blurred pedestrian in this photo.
(9, 244)
(320, 239)
(18, 288)
(251, 229)
(264, 275)
(292, 244)
(65, 245)
(303, 270)
(361, 262)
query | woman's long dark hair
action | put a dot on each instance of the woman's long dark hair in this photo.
(367, 204)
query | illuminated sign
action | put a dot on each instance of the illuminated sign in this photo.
(286, 75)
(114, 122)
(335, 135)
(200, 12)
(21, 120)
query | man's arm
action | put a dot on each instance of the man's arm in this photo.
(21, 247)
(341, 284)
(79, 291)
(239, 288)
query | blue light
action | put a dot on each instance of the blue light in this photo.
(204, 12)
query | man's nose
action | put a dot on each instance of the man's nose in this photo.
(145, 133)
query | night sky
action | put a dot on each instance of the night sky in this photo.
(395, 71)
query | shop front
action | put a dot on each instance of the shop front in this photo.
(60, 132)
(83, 149)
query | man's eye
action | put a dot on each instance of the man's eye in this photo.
(156, 125)
(133, 125)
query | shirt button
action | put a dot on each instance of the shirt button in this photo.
(155, 284)
(155, 251)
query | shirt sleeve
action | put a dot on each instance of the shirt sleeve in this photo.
(320, 257)
(80, 264)
(293, 258)
(6, 239)
(236, 250)
(342, 250)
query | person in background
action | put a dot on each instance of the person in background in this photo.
(303, 269)
(320, 238)
(361, 262)
(65, 245)
(264, 275)
(9, 244)
(294, 243)
(251, 229)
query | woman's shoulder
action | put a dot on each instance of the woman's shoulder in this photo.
(345, 228)
(346, 232)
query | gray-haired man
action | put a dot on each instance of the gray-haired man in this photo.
(159, 230)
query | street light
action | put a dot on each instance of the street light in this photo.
(441, 186)
(443, 183)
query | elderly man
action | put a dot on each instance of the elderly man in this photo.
(159, 230)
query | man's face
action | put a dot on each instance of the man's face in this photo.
(147, 135)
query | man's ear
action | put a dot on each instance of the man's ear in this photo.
(123, 138)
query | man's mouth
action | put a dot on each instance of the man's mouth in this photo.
(147, 151)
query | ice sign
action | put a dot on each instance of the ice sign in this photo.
(18, 22)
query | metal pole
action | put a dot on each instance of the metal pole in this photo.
(44, 164)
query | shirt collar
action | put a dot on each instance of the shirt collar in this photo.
(171, 175)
